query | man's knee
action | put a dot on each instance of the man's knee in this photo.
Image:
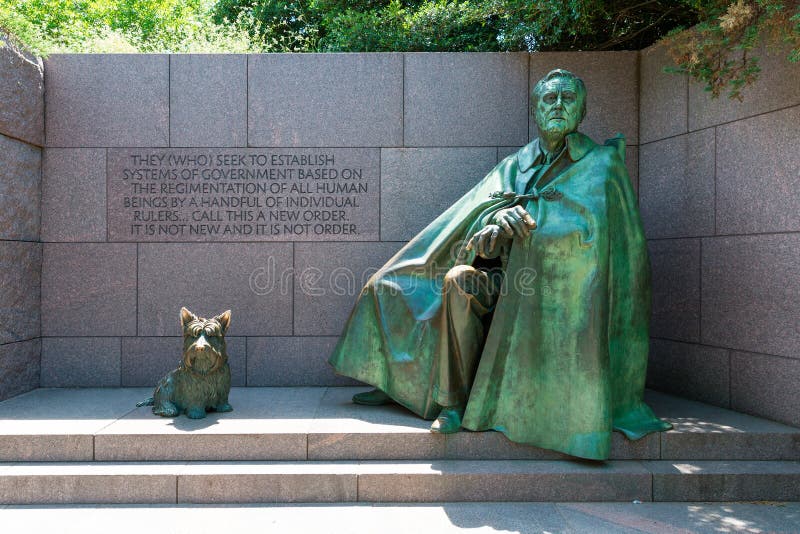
(467, 280)
(461, 277)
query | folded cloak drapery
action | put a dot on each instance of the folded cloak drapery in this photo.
(565, 355)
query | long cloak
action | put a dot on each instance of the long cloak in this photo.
(565, 355)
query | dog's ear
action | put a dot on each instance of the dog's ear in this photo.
(224, 320)
(187, 317)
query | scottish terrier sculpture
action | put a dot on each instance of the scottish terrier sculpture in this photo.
(202, 381)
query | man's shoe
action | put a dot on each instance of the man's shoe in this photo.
(449, 421)
(375, 397)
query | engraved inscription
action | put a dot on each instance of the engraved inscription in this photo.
(243, 194)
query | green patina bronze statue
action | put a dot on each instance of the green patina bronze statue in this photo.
(202, 381)
(525, 307)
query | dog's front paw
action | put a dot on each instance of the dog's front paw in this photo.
(195, 413)
(223, 407)
(166, 409)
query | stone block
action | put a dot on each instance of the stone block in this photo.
(239, 195)
(267, 483)
(767, 386)
(20, 296)
(703, 432)
(251, 279)
(74, 194)
(632, 164)
(19, 367)
(107, 100)
(80, 362)
(417, 446)
(691, 371)
(749, 293)
(195, 446)
(265, 424)
(342, 430)
(454, 99)
(94, 483)
(20, 189)
(89, 289)
(58, 424)
(328, 278)
(758, 185)
(519, 480)
(493, 445)
(145, 360)
(22, 94)
(292, 361)
(675, 267)
(612, 84)
(664, 105)
(208, 100)
(504, 151)
(47, 448)
(330, 100)
(419, 184)
(730, 447)
(676, 186)
(776, 88)
(646, 448)
(725, 481)
(345, 431)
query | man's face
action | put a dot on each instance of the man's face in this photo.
(558, 110)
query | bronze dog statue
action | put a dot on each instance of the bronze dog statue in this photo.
(202, 381)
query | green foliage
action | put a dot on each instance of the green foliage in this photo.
(47, 26)
(285, 26)
(459, 25)
(591, 24)
(717, 49)
(444, 25)
(377, 30)
(432, 26)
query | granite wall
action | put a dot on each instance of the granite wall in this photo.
(719, 191)
(718, 184)
(426, 127)
(21, 140)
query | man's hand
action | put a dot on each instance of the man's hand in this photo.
(515, 220)
(484, 240)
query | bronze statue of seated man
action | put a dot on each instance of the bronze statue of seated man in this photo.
(524, 308)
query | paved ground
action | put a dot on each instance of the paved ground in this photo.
(521, 518)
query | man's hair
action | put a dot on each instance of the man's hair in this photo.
(562, 73)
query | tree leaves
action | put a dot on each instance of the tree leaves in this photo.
(712, 41)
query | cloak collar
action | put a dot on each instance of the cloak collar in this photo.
(578, 145)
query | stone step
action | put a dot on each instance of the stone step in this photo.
(321, 424)
(442, 481)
